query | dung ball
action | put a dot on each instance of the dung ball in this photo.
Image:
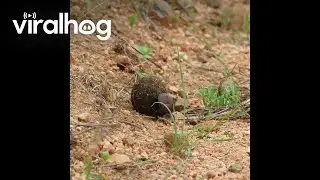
(148, 90)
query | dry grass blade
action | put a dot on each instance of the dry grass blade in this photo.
(198, 115)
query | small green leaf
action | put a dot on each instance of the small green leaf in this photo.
(105, 155)
(89, 4)
(144, 51)
(133, 19)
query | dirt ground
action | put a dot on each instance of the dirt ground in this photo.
(102, 118)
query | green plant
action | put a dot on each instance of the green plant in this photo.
(89, 4)
(89, 175)
(226, 17)
(133, 19)
(208, 45)
(138, 73)
(246, 24)
(105, 156)
(226, 96)
(180, 144)
(144, 51)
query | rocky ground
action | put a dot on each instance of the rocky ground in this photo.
(103, 72)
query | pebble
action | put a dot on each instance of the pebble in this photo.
(78, 128)
(193, 174)
(128, 141)
(107, 146)
(119, 158)
(211, 174)
(160, 172)
(126, 112)
(83, 117)
(144, 155)
(173, 176)
(235, 168)
(163, 154)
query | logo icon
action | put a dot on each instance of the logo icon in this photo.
(61, 26)
(26, 15)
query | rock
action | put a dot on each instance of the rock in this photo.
(173, 89)
(79, 166)
(179, 105)
(194, 153)
(128, 141)
(119, 158)
(168, 139)
(211, 174)
(163, 154)
(73, 142)
(193, 174)
(126, 112)
(202, 59)
(173, 176)
(235, 168)
(181, 93)
(99, 101)
(78, 128)
(186, 3)
(144, 155)
(193, 122)
(178, 115)
(83, 117)
(107, 146)
(162, 8)
(160, 172)
(93, 149)
(214, 3)
(161, 11)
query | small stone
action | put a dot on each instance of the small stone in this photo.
(173, 176)
(193, 174)
(160, 172)
(211, 174)
(181, 93)
(178, 115)
(195, 153)
(78, 128)
(186, 3)
(173, 89)
(73, 141)
(99, 101)
(203, 59)
(193, 122)
(144, 155)
(126, 112)
(173, 171)
(107, 146)
(79, 165)
(235, 168)
(163, 154)
(214, 3)
(179, 105)
(93, 149)
(119, 158)
(83, 117)
(128, 141)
